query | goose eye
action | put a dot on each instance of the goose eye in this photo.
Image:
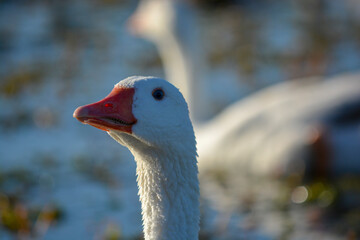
(158, 94)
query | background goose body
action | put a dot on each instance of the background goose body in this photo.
(280, 120)
(153, 123)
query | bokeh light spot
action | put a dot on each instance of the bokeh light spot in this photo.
(299, 195)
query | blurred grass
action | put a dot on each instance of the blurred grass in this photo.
(17, 215)
(12, 84)
(96, 170)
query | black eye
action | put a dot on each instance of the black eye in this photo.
(158, 94)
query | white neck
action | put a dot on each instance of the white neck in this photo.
(169, 194)
(184, 66)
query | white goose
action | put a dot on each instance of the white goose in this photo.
(150, 117)
(172, 26)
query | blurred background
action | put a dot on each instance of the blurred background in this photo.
(60, 179)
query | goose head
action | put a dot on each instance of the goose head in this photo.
(153, 19)
(141, 112)
(161, 20)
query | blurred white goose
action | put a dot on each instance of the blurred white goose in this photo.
(277, 120)
(150, 117)
(172, 26)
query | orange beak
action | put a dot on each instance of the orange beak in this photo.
(114, 112)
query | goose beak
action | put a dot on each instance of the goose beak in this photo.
(114, 112)
(134, 24)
